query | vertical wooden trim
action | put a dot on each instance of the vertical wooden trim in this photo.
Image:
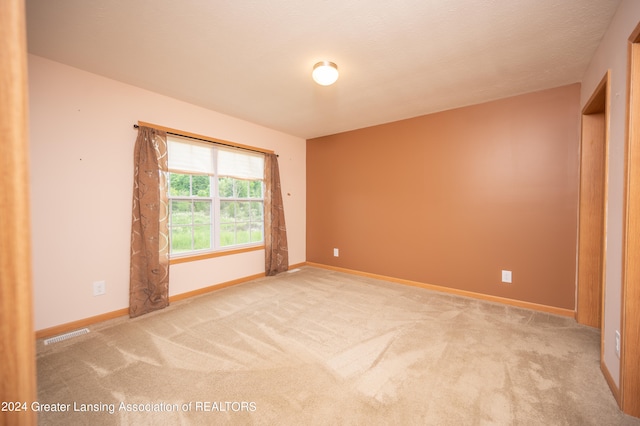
(603, 279)
(17, 343)
(592, 222)
(630, 321)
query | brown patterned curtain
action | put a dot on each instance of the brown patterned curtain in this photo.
(149, 274)
(275, 233)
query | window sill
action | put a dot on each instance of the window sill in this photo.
(195, 257)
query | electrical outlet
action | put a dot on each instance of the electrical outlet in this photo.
(336, 252)
(99, 288)
(506, 276)
(618, 343)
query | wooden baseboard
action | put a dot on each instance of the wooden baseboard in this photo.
(64, 328)
(441, 289)
(214, 287)
(70, 326)
(220, 286)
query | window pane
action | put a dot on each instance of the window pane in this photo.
(241, 188)
(225, 187)
(242, 233)
(179, 185)
(256, 211)
(201, 212)
(227, 234)
(202, 237)
(243, 211)
(201, 186)
(255, 189)
(227, 211)
(180, 239)
(180, 213)
(256, 232)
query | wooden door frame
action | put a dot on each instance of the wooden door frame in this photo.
(630, 310)
(17, 352)
(594, 123)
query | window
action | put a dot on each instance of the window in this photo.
(216, 196)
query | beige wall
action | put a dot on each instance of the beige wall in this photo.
(81, 147)
(452, 198)
(612, 55)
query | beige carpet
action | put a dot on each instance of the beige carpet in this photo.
(316, 347)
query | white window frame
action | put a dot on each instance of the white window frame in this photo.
(215, 199)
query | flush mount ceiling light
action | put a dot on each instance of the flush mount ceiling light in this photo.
(325, 73)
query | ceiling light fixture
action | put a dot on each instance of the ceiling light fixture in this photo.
(325, 73)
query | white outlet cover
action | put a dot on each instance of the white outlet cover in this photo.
(506, 276)
(336, 252)
(99, 288)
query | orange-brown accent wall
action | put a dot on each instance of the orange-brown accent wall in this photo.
(453, 198)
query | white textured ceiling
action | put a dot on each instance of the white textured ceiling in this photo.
(252, 59)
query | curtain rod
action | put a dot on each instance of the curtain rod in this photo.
(136, 126)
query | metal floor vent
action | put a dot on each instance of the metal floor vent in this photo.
(66, 336)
